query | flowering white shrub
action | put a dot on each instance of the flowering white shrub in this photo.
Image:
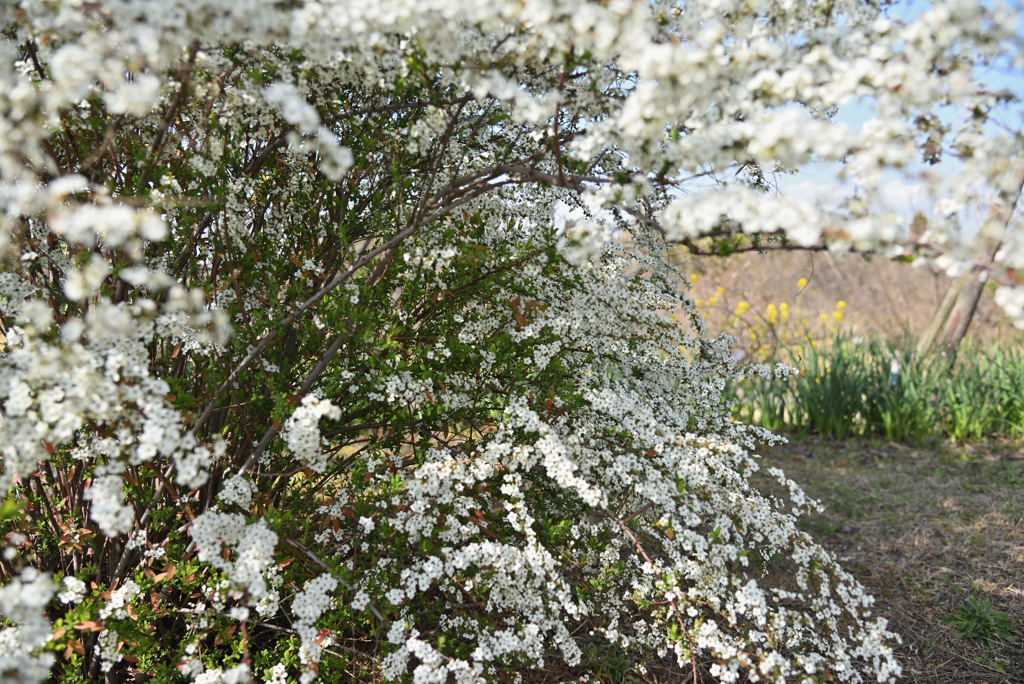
(303, 377)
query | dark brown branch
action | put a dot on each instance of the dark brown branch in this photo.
(172, 111)
(321, 365)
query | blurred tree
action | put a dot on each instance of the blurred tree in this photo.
(952, 319)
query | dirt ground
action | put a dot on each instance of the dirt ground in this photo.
(924, 528)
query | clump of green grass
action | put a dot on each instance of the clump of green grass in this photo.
(828, 395)
(979, 620)
(846, 387)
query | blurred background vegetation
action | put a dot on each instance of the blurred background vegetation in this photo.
(852, 330)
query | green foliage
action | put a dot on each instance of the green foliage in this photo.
(979, 620)
(610, 664)
(767, 397)
(845, 387)
(828, 393)
(906, 410)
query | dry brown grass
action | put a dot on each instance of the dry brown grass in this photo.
(924, 529)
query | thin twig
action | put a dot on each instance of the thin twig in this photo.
(172, 111)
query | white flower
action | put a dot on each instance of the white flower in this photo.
(74, 590)
(360, 601)
(307, 606)
(109, 655)
(237, 491)
(119, 598)
(302, 431)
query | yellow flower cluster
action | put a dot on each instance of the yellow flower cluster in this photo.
(774, 315)
(763, 334)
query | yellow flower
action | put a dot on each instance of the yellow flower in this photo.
(742, 308)
(824, 317)
(693, 278)
(773, 314)
(784, 310)
(802, 283)
(711, 301)
(697, 302)
(838, 315)
(841, 305)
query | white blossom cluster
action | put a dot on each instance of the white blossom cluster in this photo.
(239, 674)
(53, 390)
(237, 491)
(23, 601)
(527, 581)
(109, 654)
(302, 431)
(74, 590)
(253, 545)
(308, 605)
(336, 159)
(118, 599)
